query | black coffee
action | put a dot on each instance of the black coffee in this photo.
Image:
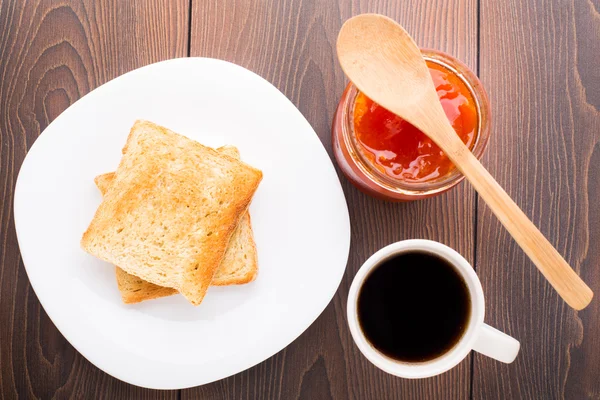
(414, 307)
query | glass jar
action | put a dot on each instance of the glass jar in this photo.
(360, 171)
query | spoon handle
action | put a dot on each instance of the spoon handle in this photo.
(551, 264)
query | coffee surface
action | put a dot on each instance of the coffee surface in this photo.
(414, 307)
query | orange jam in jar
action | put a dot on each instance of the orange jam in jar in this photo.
(400, 150)
(387, 157)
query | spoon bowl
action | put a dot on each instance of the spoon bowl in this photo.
(401, 81)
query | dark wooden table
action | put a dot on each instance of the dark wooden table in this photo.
(539, 61)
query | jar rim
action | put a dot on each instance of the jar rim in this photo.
(447, 181)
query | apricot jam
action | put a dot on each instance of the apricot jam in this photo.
(400, 150)
(386, 157)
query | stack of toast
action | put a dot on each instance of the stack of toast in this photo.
(174, 217)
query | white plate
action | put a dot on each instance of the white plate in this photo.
(299, 215)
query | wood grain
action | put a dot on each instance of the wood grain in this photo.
(536, 61)
(292, 44)
(51, 54)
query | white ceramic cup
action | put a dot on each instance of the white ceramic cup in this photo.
(478, 336)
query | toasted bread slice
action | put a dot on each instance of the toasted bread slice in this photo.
(239, 265)
(171, 210)
(135, 290)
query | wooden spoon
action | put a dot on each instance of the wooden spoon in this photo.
(384, 62)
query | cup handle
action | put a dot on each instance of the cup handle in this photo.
(497, 345)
